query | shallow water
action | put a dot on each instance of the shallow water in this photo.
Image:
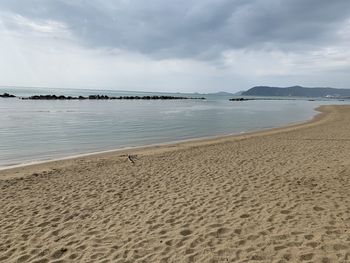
(42, 130)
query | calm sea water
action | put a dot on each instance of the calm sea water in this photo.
(43, 130)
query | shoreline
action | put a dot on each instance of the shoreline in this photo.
(211, 138)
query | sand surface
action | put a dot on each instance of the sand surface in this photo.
(276, 196)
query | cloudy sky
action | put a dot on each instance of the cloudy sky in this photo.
(183, 45)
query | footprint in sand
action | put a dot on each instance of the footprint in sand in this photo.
(185, 232)
(306, 257)
(318, 209)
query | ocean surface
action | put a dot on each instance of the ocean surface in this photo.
(33, 131)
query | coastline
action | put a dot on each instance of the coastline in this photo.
(212, 138)
(272, 196)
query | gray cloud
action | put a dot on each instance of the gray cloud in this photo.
(193, 29)
(184, 45)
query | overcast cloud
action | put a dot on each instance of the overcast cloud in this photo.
(203, 45)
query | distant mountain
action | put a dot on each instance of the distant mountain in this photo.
(296, 91)
(238, 93)
(221, 93)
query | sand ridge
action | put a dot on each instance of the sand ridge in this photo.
(276, 196)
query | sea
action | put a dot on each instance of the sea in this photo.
(35, 131)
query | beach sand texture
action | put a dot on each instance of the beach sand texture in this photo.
(275, 196)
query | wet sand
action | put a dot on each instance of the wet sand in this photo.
(274, 196)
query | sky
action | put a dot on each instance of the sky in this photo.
(174, 46)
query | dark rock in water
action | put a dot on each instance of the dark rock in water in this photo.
(240, 99)
(6, 95)
(105, 97)
(52, 97)
(98, 97)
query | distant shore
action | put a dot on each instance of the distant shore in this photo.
(162, 97)
(278, 195)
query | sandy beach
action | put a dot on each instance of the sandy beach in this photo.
(275, 196)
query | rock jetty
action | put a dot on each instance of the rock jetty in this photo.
(105, 97)
(240, 99)
(6, 95)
